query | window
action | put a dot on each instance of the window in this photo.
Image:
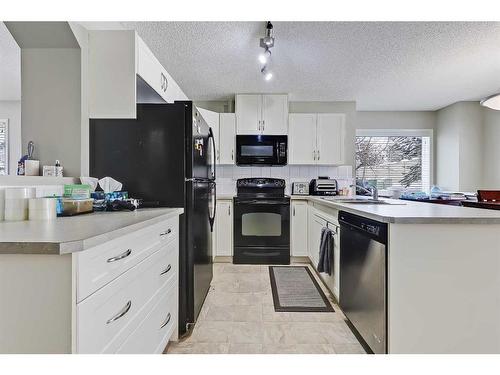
(4, 148)
(394, 159)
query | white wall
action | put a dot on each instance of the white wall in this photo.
(11, 110)
(491, 149)
(396, 120)
(459, 146)
(82, 37)
(51, 105)
(228, 174)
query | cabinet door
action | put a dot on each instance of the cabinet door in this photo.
(227, 138)
(299, 229)
(248, 114)
(330, 138)
(316, 224)
(224, 227)
(275, 114)
(302, 138)
(212, 119)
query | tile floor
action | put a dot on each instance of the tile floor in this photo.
(238, 317)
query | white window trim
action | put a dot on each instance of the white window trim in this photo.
(403, 133)
(5, 123)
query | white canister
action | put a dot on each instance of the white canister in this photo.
(2, 203)
(42, 209)
(17, 203)
(31, 167)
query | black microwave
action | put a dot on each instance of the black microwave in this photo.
(261, 149)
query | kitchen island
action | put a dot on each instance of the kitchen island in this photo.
(443, 273)
(96, 283)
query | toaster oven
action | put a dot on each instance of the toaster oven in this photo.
(323, 186)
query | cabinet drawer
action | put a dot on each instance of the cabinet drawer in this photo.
(98, 266)
(153, 333)
(107, 317)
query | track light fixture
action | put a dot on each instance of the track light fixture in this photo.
(265, 58)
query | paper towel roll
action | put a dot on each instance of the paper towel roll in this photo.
(17, 203)
(42, 209)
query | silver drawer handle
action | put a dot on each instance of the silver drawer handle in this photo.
(121, 256)
(166, 232)
(122, 312)
(166, 321)
(166, 270)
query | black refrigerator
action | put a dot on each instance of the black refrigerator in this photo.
(166, 157)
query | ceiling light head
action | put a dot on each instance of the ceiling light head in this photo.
(268, 40)
(268, 75)
(492, 102)
(265, 57)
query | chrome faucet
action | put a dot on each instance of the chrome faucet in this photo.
(373, 191)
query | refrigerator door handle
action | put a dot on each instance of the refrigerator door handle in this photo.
(214, 153)
(213, 198)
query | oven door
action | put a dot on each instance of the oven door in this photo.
(262, 231)
(261, 149)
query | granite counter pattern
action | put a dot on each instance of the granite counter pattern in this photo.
(72, 234)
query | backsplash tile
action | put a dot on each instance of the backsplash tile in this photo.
(228, 174)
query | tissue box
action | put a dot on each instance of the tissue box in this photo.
(101, 198)
(77, 191)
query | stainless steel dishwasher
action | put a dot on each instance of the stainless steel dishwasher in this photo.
(363, 277)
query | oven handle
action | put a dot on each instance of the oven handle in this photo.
(264, 202)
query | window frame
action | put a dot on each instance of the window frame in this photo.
(402, 133)
(5, 124)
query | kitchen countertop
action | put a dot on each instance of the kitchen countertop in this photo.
(72, 234)
(226, 196)
(407, 212)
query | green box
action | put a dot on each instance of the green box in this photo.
(77, 191)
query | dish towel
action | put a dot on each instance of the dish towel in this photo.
(326, 251)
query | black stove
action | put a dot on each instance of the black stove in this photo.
(261, 222)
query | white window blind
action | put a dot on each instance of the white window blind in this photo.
(4, 148)
(388, 161)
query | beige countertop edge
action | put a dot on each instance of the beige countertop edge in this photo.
(470, 215)
(81, 244)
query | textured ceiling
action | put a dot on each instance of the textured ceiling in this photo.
(10, 66)
(380, 65)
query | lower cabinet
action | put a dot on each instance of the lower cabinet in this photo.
(224, 228)
(136, 312)
(299, 227)
(317, 220)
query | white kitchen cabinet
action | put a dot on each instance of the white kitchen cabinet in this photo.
(123, 72)
(227, 138)
(319, 219)
(316, 138)
(330, 137)
(212, 119)
(274, 114)
(248, 113)
(224, 228)
(115, 296)
(299, 227)
(302, 138)
(262, 114)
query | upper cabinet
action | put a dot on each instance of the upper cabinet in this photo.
(212, 119)
(123, 72)
(262, 114)
(316, 138)
(227, 138)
